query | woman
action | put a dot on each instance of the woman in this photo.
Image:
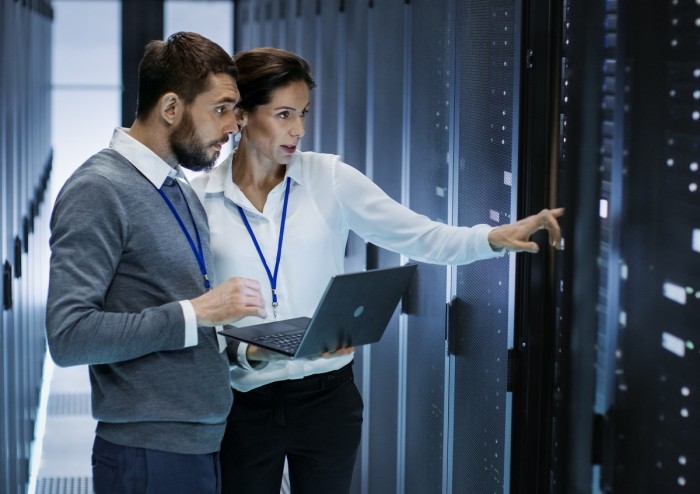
(282, 216)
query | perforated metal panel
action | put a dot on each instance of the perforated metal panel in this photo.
(64, 485)
(353, 81)
(352, 137)
(306, 46)
(486, 43)
(246, 26)
(330, 53)
(429, 139)
(269, 18)
(69, 404)
(384, 165)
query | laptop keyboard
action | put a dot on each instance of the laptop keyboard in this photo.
(286, 341)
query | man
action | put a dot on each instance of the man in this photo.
(129, 290)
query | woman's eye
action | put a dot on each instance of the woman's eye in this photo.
(283, 115)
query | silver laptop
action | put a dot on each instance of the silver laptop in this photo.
(354, 310)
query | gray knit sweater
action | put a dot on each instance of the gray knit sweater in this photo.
(119, 265)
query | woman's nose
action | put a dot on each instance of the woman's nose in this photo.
(297, 129)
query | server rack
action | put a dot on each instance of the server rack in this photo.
(25, 164)
(652, 432)
(624, 377)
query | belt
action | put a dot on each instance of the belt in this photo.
(318, 381)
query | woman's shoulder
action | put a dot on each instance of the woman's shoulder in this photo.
(326, 168)
(313, 158)
(315, 168)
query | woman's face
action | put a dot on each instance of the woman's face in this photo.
(273, 131)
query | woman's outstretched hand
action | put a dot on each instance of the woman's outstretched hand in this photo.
(515, 237)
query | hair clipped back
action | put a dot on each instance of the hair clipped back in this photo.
(262, 70)
(181, 65)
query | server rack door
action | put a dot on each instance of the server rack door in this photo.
(352, 144)
(350, 50)
(378, 460)
(244, 33)
(5, 29)
(292, 26)
(307, 46)
(329, 48)
(428, 146)
(481, 328)
(13, 410)
(352, 84)
(20, 187)
(270, 32)
(585, 182)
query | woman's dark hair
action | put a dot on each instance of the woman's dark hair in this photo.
(262, 70)
(181, 65)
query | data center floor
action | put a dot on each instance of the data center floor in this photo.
(64, 464)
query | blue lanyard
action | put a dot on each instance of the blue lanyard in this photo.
(271, 276)
(198, 252)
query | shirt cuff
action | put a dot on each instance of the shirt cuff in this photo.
(191, 336)
(483, 247)
(241, 356)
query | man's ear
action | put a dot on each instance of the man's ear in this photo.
(170, 108)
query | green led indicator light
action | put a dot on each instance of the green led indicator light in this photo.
(690, 345)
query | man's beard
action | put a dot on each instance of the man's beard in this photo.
(189, 150)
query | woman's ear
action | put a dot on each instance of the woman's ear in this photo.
(170, 104)
(241, 117)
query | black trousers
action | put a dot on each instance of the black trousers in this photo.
(315, 422)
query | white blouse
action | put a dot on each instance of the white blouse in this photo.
(327, 199)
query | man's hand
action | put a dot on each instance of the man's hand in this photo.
(229, 302)
(516, 236)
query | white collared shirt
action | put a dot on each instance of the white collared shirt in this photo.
(328, 198)
(156, 171)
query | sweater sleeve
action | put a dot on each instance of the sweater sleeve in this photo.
(376, 217)
(89, 233)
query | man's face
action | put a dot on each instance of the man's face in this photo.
(206, 124)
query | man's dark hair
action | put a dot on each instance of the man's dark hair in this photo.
(181, 65)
